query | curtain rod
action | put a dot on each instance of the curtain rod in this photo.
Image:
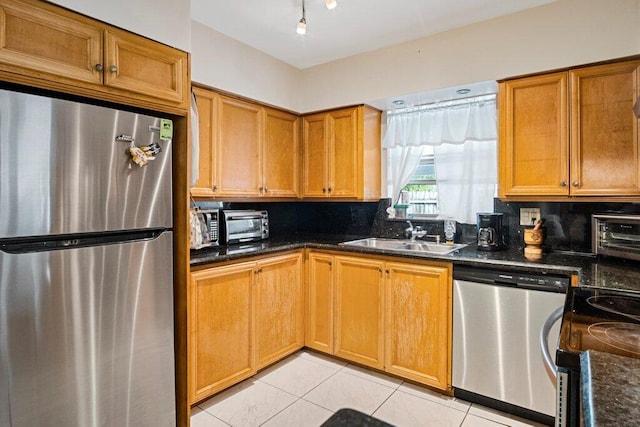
(443, 104)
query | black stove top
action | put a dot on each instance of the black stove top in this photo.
(605, 320)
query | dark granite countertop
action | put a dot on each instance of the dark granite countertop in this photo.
(592, 271)
(610, 387)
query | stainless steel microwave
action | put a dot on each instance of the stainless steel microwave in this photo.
(616, 235)
(244, 225)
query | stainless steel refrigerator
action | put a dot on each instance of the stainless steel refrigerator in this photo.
(86, 294)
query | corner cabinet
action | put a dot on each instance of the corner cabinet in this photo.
(388, 315)
(563, 134)
(341, 154)
(51, 47)
(242, 317)
(246, 150)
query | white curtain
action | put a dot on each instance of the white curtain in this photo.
(463, 134)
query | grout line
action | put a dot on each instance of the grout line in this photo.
(280, 411)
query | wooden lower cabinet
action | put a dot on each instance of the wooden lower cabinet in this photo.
(390, 315)
(222, 328)
(279, 308)
(359, 317)
(320, 290)
(242, 317)
(418, 323)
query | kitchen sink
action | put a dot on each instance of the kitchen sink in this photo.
(405, 245)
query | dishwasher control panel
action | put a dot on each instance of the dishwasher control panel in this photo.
(538, 281)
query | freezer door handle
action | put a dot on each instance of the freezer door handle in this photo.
(71, 241)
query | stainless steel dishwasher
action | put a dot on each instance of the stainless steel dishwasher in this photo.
(498, 321)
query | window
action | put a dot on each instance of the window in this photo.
(421, 192)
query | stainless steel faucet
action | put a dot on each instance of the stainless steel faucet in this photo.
(412, 232)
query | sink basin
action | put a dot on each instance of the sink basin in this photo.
(405, 245)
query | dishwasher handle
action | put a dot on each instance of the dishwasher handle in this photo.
(544, 339)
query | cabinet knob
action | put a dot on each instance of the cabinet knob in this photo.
(215, 188)
(329, 189)
(266, 189)
(563, 183)
(261, 189)
(113, 68)
(575, 183)
(99, 67)
(324, 190)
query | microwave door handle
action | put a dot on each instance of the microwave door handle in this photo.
(244, 217)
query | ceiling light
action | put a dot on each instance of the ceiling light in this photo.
(398, 102)
(331, 4)
(302, 24)
(463, 91)
(302, 27)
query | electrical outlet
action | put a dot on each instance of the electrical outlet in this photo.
(529, 216)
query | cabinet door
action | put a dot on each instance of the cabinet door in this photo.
(604, 131)
(345, 159)
(239, 152)
(534, 136)
(147, 68)
(281, 151)
(320, 290)
(418, 323)
(37, 40)
(315, 156)
(359, 313)
(279, 308)
(221, 329)
(206, 102)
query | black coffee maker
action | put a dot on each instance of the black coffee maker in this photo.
(490, 231)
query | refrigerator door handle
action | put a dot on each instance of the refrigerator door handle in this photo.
(71, 241)
(544, 340)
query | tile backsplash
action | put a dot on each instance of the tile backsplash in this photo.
(567, 225)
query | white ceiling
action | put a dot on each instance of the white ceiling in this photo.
(354, 27)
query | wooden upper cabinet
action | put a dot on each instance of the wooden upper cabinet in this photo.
(51, 47)
(145, 67)
(346, 148)
(418, 320)
(245, 149)
(534, 136)
(206, 102)
(341, 154)
(604, 131)
(281, 154)
(239, 148)
(41, 42)
(571, 133)
(315, 155)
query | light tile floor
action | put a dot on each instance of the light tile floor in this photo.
(306, 388)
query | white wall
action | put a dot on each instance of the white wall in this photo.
(560, 34)
(224, 63)
(166, 21)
